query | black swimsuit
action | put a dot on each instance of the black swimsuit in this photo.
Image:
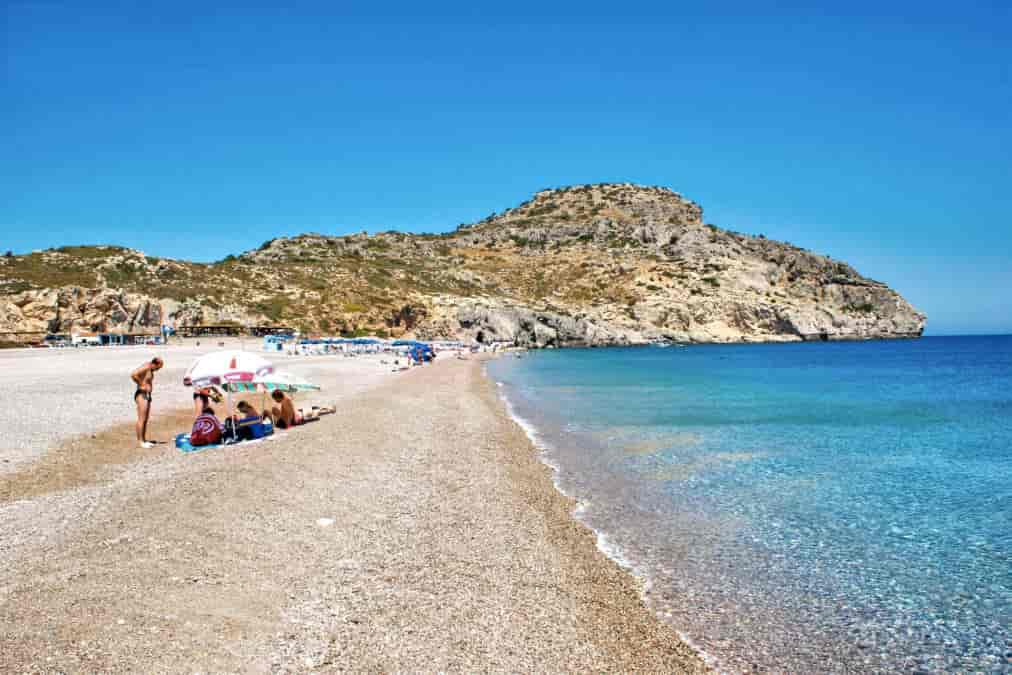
(145, 394)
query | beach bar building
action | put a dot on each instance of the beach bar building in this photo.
(89, 339)
(261, 331)
(224, 330)
(231, 330)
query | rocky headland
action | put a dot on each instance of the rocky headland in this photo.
(602, 264)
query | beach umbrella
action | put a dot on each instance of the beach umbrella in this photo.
(281, 379)
(226, 367)
(276, 379)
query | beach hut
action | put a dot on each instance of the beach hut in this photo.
(275, 343)
(85, 339)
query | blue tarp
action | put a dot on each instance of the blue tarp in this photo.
(419, 351)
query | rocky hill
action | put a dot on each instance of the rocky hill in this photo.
(591, 264)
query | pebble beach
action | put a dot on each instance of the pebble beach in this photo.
(413, 530)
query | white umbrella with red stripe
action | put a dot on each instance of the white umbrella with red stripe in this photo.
(227, 366)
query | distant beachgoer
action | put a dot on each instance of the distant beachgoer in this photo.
(202, 399)
(144, 378)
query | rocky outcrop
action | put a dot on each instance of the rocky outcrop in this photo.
(587, 265)
(90, 309)
(494, 322)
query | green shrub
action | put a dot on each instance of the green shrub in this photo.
(274, 308)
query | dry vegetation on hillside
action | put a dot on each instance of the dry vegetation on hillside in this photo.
(639, 260)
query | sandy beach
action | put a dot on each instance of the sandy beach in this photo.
(70, 392)
(414, 530)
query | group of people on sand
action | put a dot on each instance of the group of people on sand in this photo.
(207, 428)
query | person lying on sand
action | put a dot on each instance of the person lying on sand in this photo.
(202, 399)
(286, 416)
(316, 412)
(144, 379)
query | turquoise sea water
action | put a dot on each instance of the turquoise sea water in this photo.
(801, 507)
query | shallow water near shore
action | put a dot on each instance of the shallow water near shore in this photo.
(800, 507)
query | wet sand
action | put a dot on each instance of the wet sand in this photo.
(414, 530)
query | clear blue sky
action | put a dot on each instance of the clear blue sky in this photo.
(878, 133)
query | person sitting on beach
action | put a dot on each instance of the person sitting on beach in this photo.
(206, 429)
(144, 379)
(247, 411)
(247, 423)
(202, 399)
(284, 414)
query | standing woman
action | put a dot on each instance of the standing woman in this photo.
(144, 378)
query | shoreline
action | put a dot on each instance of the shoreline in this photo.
(415, 529)
(613, 552)
(607, 556)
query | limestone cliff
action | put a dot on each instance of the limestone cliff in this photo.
(594, 265)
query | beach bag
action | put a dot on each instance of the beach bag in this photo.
(206, 431)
